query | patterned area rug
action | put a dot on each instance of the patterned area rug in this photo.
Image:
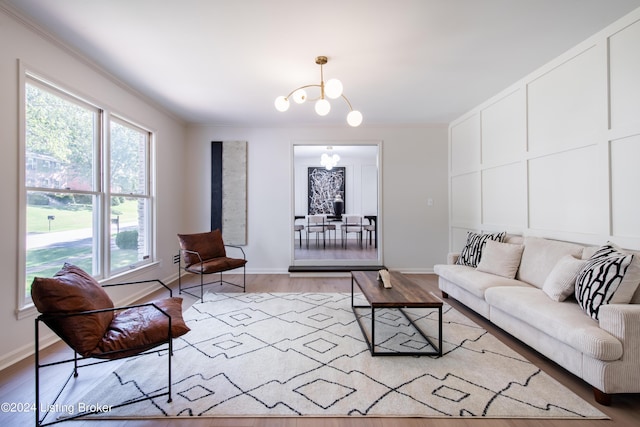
(303, 354)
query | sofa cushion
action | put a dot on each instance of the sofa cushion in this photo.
(72, 290)
(472, 251)
(499, 258)
(541, 255)
(561, 282)
(473, 281)
(209, 245)
(514, 238)
(564, 321)
(141, 328)
(607, 278)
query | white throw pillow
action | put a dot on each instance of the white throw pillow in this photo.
(561, 282)
(500, 258)
(611, 276)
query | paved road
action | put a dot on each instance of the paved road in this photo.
(42, 240)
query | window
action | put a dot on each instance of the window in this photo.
(129, 195)
(87, 197)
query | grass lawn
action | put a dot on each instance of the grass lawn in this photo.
(46, 261)
(68, 217)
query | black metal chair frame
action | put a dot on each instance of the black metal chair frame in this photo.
(298, 228)
(177, 259)
(82, 361)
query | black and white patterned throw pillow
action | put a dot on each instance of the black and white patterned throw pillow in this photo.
(472, 251)
(600, 278)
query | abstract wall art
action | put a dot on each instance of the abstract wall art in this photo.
(229, 190)
(324, 185)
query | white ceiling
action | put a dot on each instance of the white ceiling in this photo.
(223, 62)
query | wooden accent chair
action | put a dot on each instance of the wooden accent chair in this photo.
(74, 306)
(205, 253)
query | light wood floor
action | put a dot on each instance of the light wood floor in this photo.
(17, 382)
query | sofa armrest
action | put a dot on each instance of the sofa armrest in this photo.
(452, 257)
(623, 322)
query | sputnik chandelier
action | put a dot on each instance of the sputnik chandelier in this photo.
(331, 89)
(329, 159)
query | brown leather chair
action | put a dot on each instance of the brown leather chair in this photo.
(205, 253)
(74, 306)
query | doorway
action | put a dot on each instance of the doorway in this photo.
(356, 180)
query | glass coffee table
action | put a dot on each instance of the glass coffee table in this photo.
(403, 294)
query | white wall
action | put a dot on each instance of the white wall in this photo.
(556, 154)
(17, 42)
(414, 167)
(413, 170)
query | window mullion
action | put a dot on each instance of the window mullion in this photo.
(102, 180)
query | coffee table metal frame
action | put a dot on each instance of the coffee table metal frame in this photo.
(399, 281)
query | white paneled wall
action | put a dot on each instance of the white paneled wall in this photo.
(503, 201)
(625, 178)
(504, 130)
(558, 153)
(465, 146)
(567, 106)
(624, 66)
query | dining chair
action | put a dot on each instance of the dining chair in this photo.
(316, 224)
(352, 224)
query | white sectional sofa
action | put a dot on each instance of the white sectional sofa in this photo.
(519, 284)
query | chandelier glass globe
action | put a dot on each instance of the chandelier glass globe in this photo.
(282, 103)
(299, 96)
(323, 107)
(354, 118)
(333, 88)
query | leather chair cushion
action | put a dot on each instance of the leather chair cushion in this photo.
(73, 290)
(209, 245)
(138, 329)
(216, 265)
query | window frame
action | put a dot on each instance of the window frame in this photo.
(146, 194)
(101, 181)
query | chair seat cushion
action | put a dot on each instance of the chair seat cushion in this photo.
(73, 290)
(216, 265)
(137, 329)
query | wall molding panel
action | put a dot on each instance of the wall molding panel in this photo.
(556, 154)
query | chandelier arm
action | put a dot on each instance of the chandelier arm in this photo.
(347, 101)
(298, 88)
